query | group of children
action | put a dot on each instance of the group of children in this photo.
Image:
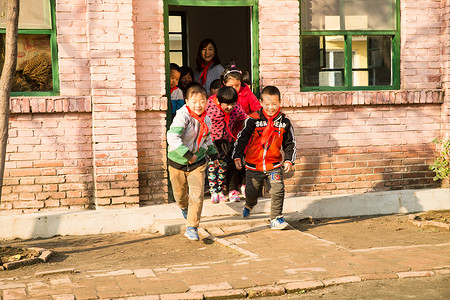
(222, 134)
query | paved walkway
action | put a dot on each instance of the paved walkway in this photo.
(271, 263)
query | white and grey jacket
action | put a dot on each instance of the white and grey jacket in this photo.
(182, 140)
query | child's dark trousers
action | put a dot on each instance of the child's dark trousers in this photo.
(275, 183)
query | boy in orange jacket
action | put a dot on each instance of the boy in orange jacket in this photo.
(266, 132)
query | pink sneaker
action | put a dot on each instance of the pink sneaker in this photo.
(234, 196)
(221, 197)
(215, 198)
(243, 190)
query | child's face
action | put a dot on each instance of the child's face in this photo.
(235, 83)
(214, 91)
(186, 79)
(174, 78)
(228, 107)
(197, 103)
(270, 104)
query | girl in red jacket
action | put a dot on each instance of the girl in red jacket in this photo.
(232, 76)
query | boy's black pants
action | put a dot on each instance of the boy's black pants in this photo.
(275, 183)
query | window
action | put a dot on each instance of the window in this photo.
(349, 44)
(177, 38)
(36, 70)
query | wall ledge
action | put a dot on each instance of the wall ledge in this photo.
(51, 104)
(58, 104)
(345, 98)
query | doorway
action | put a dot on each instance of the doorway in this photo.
(230, 23)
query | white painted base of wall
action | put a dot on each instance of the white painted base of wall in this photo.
(48, 224)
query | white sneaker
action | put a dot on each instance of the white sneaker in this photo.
(278, 223)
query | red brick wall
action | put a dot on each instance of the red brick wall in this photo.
(356, 149)
(151, 133)
(445, 65)
(102, 142)
(421, 44)
(48, 162)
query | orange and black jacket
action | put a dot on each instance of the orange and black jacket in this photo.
(266, 157)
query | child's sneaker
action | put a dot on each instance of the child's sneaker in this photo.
(192, 234)
(215, 198)
(278, 223)
(222, 197)
(243, 190)
(184, 212)
(246, 211)
(234, 196)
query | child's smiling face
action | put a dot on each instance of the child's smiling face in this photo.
(270, 104)
(174, 78)
(186, 79)
(197, 103)
(228, 107)
(235, 83)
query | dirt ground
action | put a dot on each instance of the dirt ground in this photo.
(119, 251)
(430, 288)
(373, 231)
(148, 250)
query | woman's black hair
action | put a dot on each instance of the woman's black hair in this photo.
(231, 71)
(227, 94)
(199, 59)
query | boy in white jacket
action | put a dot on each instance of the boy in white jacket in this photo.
(189, 142)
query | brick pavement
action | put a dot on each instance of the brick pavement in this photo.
(271, 263)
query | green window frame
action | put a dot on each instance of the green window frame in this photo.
(347, 66)
(220, 3)
(53, 51)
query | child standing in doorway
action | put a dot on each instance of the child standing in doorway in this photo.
(225, 114)
(267, 133)
(232, 76)
(176, 94)
(189, 141)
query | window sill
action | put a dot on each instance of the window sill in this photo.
(309, 99)
(55, 104)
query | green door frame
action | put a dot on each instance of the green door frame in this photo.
(253, 4)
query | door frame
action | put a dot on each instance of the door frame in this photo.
(252, 4)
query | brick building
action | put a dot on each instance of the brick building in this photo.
(367, 93)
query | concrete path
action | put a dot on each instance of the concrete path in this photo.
(271, 263)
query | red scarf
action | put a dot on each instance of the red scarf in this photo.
(227, 117)
(204, 73)
(203, 127)
(270, 128)
(173, 89)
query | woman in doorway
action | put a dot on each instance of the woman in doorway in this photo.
(208, 64)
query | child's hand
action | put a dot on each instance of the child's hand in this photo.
(193, 159)
(238, 163)
(216, 163)
(287, 167)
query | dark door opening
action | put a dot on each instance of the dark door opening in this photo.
(228, 27)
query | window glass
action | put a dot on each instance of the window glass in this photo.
(175, 24)
(372, 60)
(175, 42)
(177, 58)
(323, 61)
(34, 14)
(34, 63)
(177, 39)
(348, 14)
